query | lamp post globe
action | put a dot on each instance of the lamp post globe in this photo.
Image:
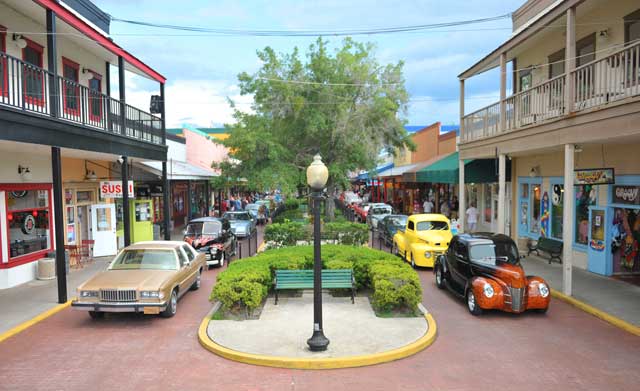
(317, 176)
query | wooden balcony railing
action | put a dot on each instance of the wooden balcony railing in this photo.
(596, 84)
(28, 88)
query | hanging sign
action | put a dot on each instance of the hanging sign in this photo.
(629, 195)
(594, 176)
(113, 189)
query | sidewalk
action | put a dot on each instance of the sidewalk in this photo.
(615, 297)
(28, 300)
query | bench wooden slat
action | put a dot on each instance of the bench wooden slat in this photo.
(303, 279)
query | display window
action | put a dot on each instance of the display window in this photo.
(586, 196)
(557, 201)
(29, 231)
(531, 209)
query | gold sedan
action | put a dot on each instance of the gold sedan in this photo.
(147, 277)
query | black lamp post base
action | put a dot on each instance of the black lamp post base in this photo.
(318, 342)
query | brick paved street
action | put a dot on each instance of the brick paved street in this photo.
(566, 349)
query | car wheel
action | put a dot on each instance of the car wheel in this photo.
(394, 249)
(472, 304)
(542, 310)
(197, 282)
(439, 277)
(172, 306)
(221, 260)
(96, 315)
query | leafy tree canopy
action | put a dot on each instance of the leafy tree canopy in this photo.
(343, 105)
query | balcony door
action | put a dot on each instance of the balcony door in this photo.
(70, 87)
(32, 74)
(632, 34)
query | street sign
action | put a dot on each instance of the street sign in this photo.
(594, 176)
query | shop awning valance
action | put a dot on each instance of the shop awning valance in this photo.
(446, 170)
(177, 170)
(396, 171)
(374, 173)
(410, 175)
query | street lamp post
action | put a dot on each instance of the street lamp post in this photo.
(317, 175)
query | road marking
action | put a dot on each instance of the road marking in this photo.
(39, 318)
(620, 323)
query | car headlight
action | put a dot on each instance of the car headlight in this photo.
(88, 294)
(427, 254)
(151, 295)
(488, 290)
(544, 289)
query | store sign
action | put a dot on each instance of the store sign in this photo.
(113, 189)
(29, 224)
(594, 176)
(629, 195)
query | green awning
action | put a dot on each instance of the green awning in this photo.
(446, 170)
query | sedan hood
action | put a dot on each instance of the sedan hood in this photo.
(128, 279)
(240, 223)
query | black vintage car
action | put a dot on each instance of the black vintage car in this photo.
(389, 225)
(485, 269)
(212, 236)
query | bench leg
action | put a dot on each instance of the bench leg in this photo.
(276, 297)
(353, 295)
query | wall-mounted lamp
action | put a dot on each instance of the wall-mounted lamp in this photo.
(19, 41)
(535, 171)
(577, 148)
(603, 33)
(91, 176)
(121, 160)
(25, 173)
(86, 74)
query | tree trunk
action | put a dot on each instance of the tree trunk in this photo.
(330, 205)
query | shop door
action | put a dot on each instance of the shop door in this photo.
(103, 229)
(597, 246)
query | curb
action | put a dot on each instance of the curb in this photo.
(620, 323)
(319, 363)
(36, 319)
(261, 247)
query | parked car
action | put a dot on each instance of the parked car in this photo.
(376, 213)
(360, 211)
(213, 237)
(424, 238)
(485, 269)
(389, 225)
(146, 277)
(242, 223)
(254, 209)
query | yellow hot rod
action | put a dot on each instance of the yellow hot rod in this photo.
(423, 238)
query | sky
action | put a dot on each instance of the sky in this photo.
(201, 70)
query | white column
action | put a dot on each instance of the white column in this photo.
(502, 192)
(462, 202)
(503, 92)
(462, 134)
(570, 62)
(568, 222)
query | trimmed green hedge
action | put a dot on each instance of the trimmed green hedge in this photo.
(246, 282)
(288, 233)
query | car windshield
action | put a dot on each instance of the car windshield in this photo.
(145, 259)
(252, 207)
(237, 216)
(204, 228)
(492, 253)
(398, 221)
(432, 226)
(380, 211)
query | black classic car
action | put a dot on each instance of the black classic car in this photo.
(389, 225)
(485, 269)
(212, 236)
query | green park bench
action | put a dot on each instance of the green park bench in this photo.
(303, 279)
(551, 246)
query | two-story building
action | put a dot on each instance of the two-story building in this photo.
(60, 132)
(570, 128)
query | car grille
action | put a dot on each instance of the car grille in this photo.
(118, 295)
(517, 298)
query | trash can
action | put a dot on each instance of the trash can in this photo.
(46, 269)
(52, 254)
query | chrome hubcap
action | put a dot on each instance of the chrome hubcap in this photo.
(471, 301)
(174, 302)
(438, 275)
(198, 279)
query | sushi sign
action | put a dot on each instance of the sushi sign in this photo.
(113, 189)
(594, 176)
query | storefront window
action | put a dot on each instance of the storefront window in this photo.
(472, 195)
(84, 196)
(68, 197)
(585, 197)
(143, 211)
(557, 191)
(71, 225)
(487, 203)
(535, 209)
(28, 220)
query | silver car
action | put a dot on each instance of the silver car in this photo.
(376, 213)
(242, 223)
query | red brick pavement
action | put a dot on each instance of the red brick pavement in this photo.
(563, 350)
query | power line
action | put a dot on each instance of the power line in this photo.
(309, 32)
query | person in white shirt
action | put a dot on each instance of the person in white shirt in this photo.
(427, 207)
(472, 217)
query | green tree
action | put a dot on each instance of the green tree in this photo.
(343, 105)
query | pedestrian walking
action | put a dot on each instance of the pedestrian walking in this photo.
(427, 206)
(472, 217)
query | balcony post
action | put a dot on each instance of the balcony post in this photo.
(166, 198)
(462, 202)
(58, 224)
(502, 187)
(121, 90)
(52, 63)
(126, 222)
(570, 61)
(462, 134)
(503, 92)
(568, 221)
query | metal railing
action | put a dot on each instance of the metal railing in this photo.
(28, 88)
(596, 84)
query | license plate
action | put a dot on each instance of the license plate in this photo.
(151, 310)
